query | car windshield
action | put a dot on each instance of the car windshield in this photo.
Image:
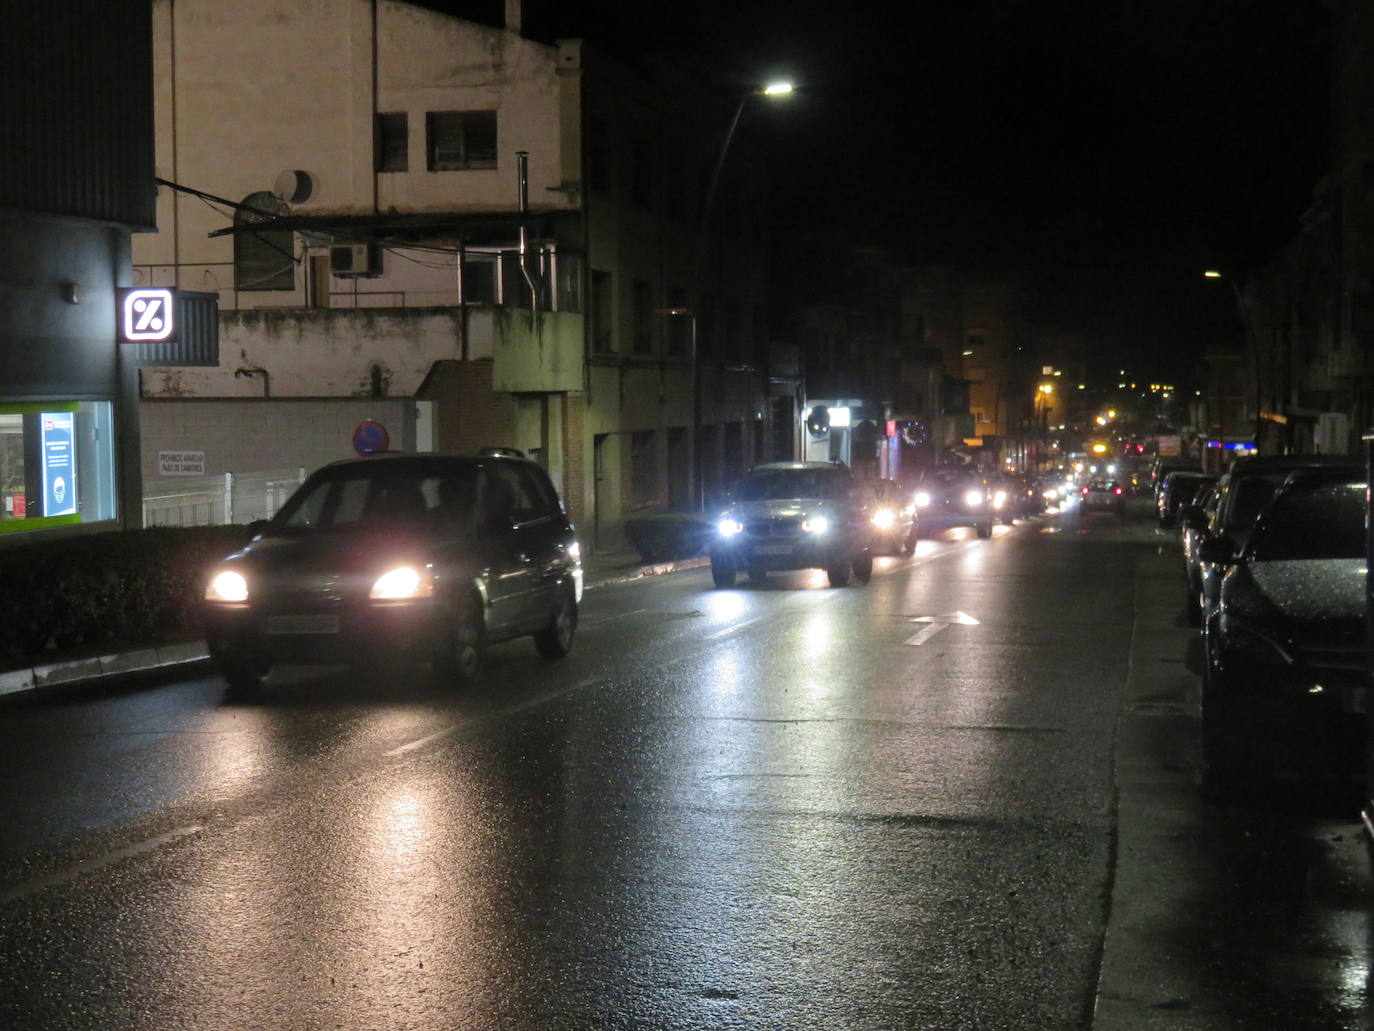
(1320, 521)
(1251, 493)
(365, 499)
(947, 479)
(783, 484)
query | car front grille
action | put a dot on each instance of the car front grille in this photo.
(781, 526)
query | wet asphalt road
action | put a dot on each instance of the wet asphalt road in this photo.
(784, 806)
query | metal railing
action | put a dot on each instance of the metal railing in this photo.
(216, 500)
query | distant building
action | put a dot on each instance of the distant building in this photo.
(464, 236)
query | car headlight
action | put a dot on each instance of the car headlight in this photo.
(816, 524)
(999, 499)
(401, 583)
(884, 518)
(227, 585)
(922, 499)
(974, 498)
(728, 527)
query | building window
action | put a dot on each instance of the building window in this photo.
(642, 316)
(393, 139)
(56, 464)
(263, 257)
(679, 325)
(602, 314)
(643, 467)
(479, 279)
(460, 139)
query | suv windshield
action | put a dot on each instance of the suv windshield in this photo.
(944, 479)
(1322, 521)
(364, 498)
(784, 484)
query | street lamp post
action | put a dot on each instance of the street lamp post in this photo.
(774, 89)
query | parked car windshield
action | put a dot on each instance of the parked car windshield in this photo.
(783, 484)
(1324, 521)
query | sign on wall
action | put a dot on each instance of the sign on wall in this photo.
(181, 463)
(59, 463)
(147, 315)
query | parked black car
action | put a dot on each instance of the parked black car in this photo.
(1284, 651)
(1179, 488)
(795, 515)
(953, 495)
(396, 558)
(1192, 535)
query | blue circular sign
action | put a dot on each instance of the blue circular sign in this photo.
(370, 437)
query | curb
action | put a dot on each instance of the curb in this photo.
(640, 572)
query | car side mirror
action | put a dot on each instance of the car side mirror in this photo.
(1217, 551)
(1192, 517)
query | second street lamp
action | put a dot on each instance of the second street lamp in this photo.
(772, 90)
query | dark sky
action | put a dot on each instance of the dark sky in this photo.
(1113, 149)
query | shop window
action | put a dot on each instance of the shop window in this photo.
(56, 464)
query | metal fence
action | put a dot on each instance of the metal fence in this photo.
(215, 500)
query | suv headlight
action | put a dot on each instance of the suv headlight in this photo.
(884, 518)
(922, 499)
(227, 586)
(400, 584)
(817, 524)
(728, 527)
(974, 498)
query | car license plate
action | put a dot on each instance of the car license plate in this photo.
(773, 549)
(1353, 699)
(327, 624)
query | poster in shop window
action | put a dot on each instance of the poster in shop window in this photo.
(59, 463)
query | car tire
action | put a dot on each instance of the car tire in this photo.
(863, 568)
(463, 653)
(984, 530)
(838, 575)
(555, 639)
(722, 573)
(245, 674)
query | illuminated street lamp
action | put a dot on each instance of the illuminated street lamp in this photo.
(772, 90)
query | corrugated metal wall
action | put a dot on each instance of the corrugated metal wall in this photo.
(76, 78)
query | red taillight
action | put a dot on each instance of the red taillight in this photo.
(1085, 492)
(1117, 491)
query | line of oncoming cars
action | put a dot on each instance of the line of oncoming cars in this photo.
(1275, 556)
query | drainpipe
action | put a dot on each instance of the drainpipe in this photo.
(254, 370)
(522, 164)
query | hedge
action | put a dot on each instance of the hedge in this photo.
(664, 536)
(134, 587)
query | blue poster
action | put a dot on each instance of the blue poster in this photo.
(59, 463)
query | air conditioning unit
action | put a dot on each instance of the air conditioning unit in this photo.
(354, 259)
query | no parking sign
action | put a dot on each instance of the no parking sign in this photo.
(370, 437)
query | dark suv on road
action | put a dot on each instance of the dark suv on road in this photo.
(795, 515)
(399, 558)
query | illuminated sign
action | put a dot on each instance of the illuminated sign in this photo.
(147, 315)
(59, 462)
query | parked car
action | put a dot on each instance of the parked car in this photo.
(953, 495)
(893, 515)
(1241, 492)
(1284, 690)
(1192, 537)
(795, 515)
(1102, 495)
(1179, 488)
(397, 558)
(1162, 467)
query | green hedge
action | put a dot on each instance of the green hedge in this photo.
(664, 536)
(106, 589)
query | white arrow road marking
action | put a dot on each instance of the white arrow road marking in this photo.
(934, 624)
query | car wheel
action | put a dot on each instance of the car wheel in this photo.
(462, 654)
(984, 530)
(722, 573)
(863, 568)
(757, 574)
(245, 674)
(555, 639)
(838, 575)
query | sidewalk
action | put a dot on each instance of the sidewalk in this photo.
(75, 669)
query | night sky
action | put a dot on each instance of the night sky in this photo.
(1112, 150)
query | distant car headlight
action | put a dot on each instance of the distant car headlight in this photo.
(1051, 494)
(817, 524)
(999, 499)
(884, 518)
(922, 499)
(974, 498)
(728, 527)
(403, 582)
(227, 585)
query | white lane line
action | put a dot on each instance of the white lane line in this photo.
(71, 873)
(926, 632)
(733, 629)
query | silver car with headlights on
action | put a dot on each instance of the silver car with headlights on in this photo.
(795, 515)
(395, 558)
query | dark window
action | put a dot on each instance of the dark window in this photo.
(642, 316)
(479, 281)
(1317, 522)
(263, 257)
(460, 139)
(643, 467)
(393, 140)
(602, 321)
(787, 484)
(518, 492)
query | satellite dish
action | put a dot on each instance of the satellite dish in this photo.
(294, 186)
